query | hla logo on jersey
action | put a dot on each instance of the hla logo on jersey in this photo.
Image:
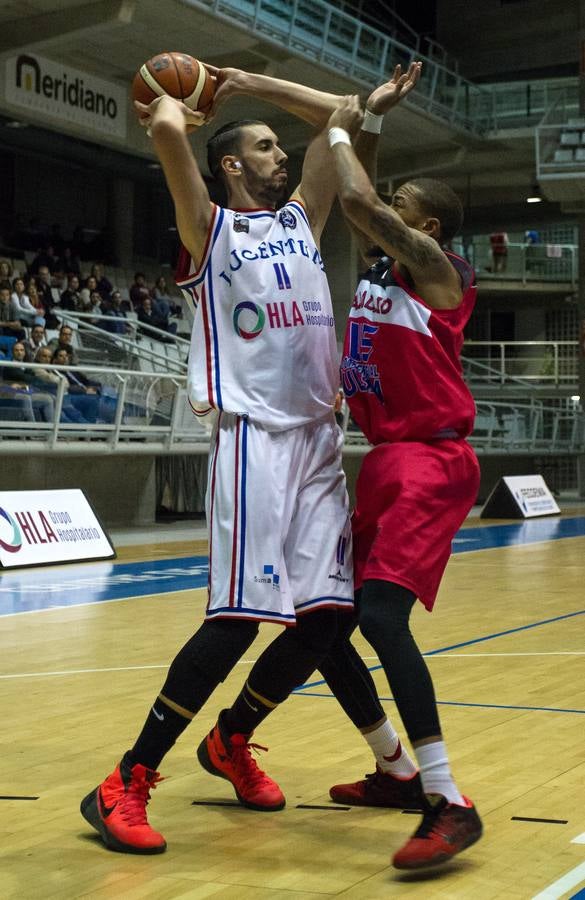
(253, 318)
(58, 91)
(269, 577)
(15, 542)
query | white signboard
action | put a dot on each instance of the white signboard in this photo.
(532, 495)
(67, 95)
(47, 527)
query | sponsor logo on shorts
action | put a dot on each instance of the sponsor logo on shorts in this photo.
(339, 577)
(269, 576)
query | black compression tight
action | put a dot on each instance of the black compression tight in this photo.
(383, 616)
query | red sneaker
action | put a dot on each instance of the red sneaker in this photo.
(117, 810)
(230, 758)
(446, 829)
(380, 789)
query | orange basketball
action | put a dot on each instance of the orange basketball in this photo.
(177, 75)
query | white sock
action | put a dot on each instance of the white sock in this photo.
(435, 772)
(389, 753)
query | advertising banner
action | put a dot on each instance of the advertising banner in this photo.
(48, 527)
(63, 94)
(520, 497)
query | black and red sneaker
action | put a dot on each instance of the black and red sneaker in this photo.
(446, 829)
(380, 789)
(230, 758)
(117, 810)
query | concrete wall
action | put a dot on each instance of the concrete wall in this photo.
(121, 489)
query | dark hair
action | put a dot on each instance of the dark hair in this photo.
(439, 200)
(226, 140)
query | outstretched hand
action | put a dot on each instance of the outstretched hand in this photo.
(348, 115)
(386, 96)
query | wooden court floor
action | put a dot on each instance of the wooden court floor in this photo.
(76, 683)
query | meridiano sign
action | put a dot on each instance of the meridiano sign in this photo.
(61, 93)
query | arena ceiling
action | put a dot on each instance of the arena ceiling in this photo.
(112, 38)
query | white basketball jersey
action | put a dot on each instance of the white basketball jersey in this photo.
(263, 341)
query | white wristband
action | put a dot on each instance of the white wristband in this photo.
(372, 122)
(338, 136)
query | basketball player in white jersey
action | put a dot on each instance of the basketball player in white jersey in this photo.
(263, 359)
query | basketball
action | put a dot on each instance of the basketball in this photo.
(178, 75)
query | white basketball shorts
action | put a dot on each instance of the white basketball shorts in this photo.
(278, 521)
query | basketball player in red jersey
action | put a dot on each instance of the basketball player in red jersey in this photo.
(401, 375)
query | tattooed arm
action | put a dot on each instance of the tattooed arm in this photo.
(401, 230)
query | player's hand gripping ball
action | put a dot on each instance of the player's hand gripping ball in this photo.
(178, 75)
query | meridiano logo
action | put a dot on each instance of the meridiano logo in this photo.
(30, 77)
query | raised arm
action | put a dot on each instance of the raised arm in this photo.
(380, 101)
(305, 103)
(434, 277)
(168, 121)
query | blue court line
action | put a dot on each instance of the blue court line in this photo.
(480, 640)
(303, 693)
(26, 590)
(580, 895)
(530, 531)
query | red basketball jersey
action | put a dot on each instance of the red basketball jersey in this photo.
(401, 370)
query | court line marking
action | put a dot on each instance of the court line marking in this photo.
(240, 662)
(580, 839)
(487, 637)
(302, 691)
(570, 880)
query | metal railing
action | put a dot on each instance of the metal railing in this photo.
(148, 413)
(343, 42)
(525, 262)
(337, 40)
(143, 346)
(511, 428)
(521, 363)
(138, 412)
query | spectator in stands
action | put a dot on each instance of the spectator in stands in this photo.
(45, 258)
(71, 297)
(9, 325)
(36, 342)
(6, 272)
(63, 342)
(35, 299)
(138, 290)
(499, 246)
(113, 309)
(95, 308)
(86, 394)
(23, 309)
(162, 302)
(70, 262)
(44, 285)
(149, 316)
(103, 286)
(87, 290)
(20, 381)
(49, 379)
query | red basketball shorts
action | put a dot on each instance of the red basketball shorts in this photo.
(411, 498)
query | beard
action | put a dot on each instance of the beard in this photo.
(271, 192)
